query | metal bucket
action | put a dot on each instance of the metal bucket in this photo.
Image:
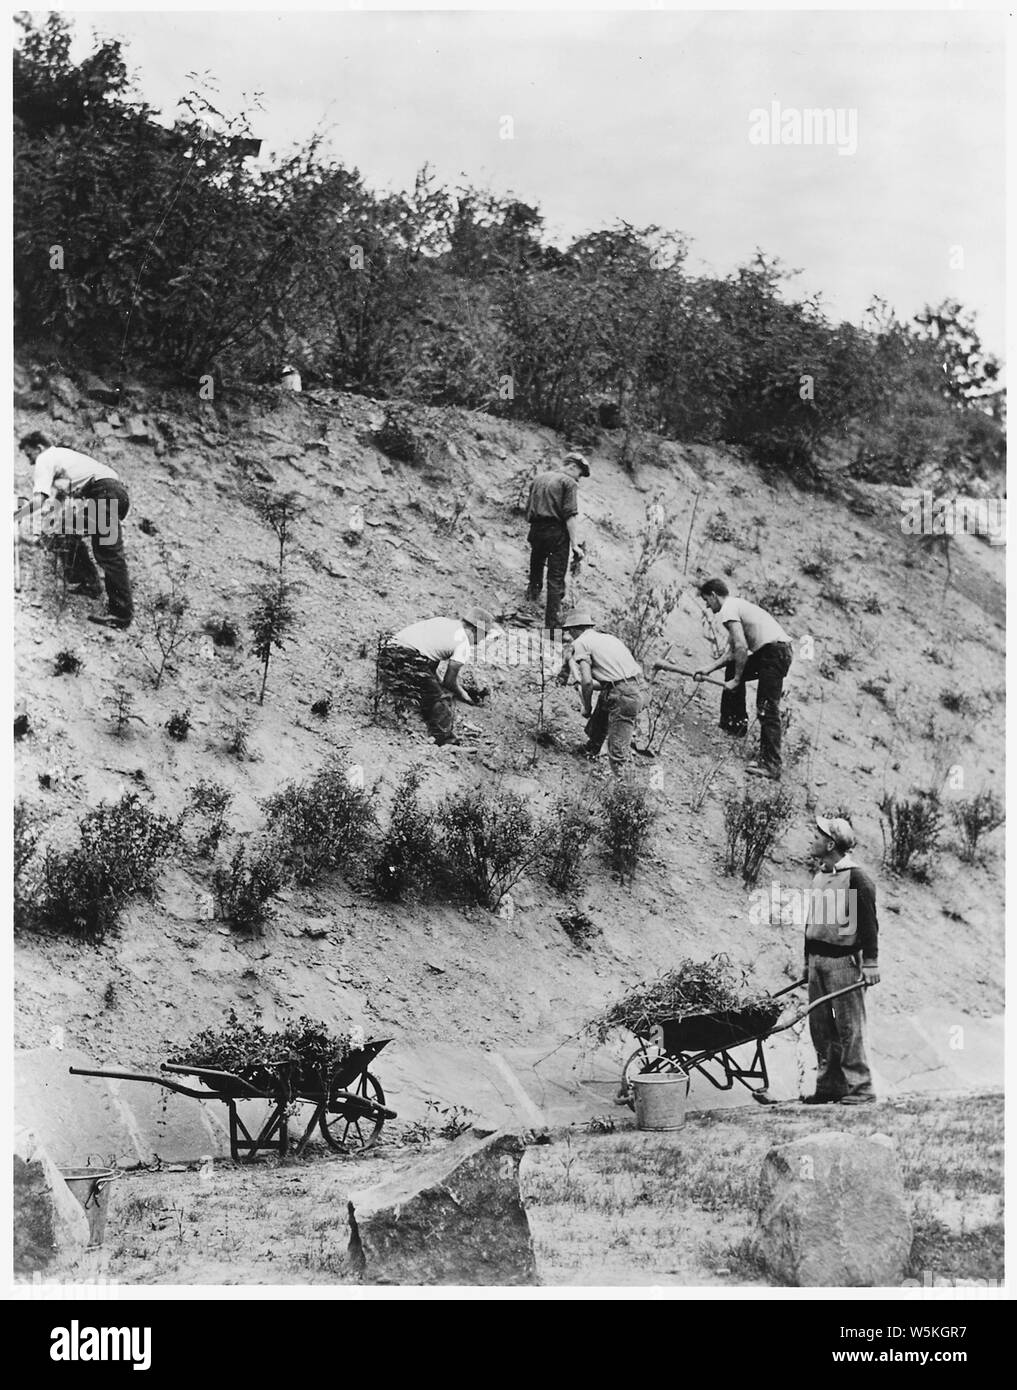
(660, 1100)
(91, 1187)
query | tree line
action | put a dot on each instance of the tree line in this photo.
(140, 245)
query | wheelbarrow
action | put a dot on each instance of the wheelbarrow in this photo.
(705, 1043)
(348, 1104)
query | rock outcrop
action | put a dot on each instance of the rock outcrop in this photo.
(832, 1213)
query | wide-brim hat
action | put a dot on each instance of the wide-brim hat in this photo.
(582, 460)
(579, 618)
(479, 618)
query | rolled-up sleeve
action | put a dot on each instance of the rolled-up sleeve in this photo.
(42, 478)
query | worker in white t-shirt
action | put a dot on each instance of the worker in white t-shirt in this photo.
(758, 649)
(605, 664)
(410, 659)
(60, 473)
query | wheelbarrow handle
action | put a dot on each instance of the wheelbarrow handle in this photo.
(837, 993)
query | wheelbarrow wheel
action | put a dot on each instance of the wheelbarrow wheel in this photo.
(644, 1061)
(353, 1127)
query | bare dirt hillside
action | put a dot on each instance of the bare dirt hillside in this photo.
(891, 643)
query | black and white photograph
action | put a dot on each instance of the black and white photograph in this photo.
(508, 619)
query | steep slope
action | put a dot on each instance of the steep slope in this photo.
(439, 535)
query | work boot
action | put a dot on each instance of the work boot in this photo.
(857, 1100)
(109, 620)
(819, 1100)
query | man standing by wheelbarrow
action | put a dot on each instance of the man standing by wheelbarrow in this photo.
(841, 940)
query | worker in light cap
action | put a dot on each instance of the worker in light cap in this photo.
(841, 950)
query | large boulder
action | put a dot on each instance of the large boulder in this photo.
(454, 1217)
(832, 1213)
(49, 1222)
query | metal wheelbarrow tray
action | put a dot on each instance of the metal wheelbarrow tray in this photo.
(705, 1043)
(348, 1104)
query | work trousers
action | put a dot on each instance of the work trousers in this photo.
(838, 1029)
(112, 504)
(550, 546)
(769, 665)
(614, 718)
(411, 677)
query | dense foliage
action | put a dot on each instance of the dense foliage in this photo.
(167, 246)
(305, 1054)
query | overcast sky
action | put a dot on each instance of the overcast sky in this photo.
(646, 117)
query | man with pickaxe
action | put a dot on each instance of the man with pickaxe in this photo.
(758, 649)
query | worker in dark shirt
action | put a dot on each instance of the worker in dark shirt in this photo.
(551, 510)
(841, 949)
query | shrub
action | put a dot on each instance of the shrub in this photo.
(224, 632)
(121, 704)
(752, 823)
(911, 829)
(236, 735)
(406, 858)
(640, 621)
(321, 824)
(178, 725)
(272, 620)
(162, 618)
(974, 817)
(210, 802)
(400, 437)
(487, 841)
(246, 884)
(628, 820)
(121, 851)
(821, 563)
(565, 839)
(67, 663)
(872, 604)
(956, 701)
(578, 927)
(719, 529)
(781, 599)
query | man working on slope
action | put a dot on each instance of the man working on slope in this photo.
(605, 663)
(758, 649)
(61, 473)
(411, 658)
(551, 510)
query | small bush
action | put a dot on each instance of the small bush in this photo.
(306, 1050)
(628, 820)
(974, 817)
(178, 725)
(121, 707)
(236, 735)
(400, 436)
(779, 599)
(911, 830)
(872, 604)
(208, 801)
(752, 823)
(822, 563)
(956, 701)
(487, 842)
(565, 839)
(720, 530)
(67, 663)
(224, 632)
(579, 928)
(406, 858)
(876, 688)
(246, 884)
(322, 824)
(121, 852)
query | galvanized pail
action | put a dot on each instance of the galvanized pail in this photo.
(661, 1099)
